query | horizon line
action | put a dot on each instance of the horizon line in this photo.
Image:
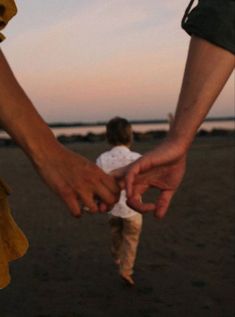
(145, 121)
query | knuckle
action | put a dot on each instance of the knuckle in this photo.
(65, 191)
(110, 199)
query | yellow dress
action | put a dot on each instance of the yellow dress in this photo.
(13, 243)
(7, 11)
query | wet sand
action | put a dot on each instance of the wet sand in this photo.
(185, 264)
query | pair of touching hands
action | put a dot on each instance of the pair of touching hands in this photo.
(80, 183)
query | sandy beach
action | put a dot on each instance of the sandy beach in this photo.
(185, 264)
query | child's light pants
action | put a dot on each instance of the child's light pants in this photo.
(125, 234)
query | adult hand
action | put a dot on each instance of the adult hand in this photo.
(208, 68)
(75, 179)
(163, 169)
(78, 181)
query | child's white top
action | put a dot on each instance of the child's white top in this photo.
(117, 157)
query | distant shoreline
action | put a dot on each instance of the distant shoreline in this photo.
(144, 130)
(147, 136)
(135, 122)
(85, 124)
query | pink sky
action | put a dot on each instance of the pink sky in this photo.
(91, 60)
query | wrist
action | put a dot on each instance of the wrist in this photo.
(42, 150)
(180, 140)
(179, 145)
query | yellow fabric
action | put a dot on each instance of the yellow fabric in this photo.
(7, 11)
(13, 243)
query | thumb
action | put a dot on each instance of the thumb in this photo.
(119, 172)
(119, 175)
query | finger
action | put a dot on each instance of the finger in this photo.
(73, 204)
(130, 177)
(136, 201)
(88, 200)
(103, 207)
(120, 172)
(139, 206)
(121, 183)
(106, 196)
(111, 184)
(119, 175)
(162, 203)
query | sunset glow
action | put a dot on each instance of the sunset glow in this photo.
(90, 60)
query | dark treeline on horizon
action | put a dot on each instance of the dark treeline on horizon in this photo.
(147, 121)
(135, 122)
(147, 136)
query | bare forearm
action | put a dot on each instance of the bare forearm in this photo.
(74, 178)
(20, 119)
(207, 70)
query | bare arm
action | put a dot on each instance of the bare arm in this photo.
(70, 175)
(207, 70)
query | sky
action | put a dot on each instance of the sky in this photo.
(90, 60)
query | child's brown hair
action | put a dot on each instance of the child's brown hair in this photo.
(119, 131)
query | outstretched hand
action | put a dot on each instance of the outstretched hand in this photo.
(76, 180)
(79, 182)
(163, 169)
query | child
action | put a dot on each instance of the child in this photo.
(125, 223)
